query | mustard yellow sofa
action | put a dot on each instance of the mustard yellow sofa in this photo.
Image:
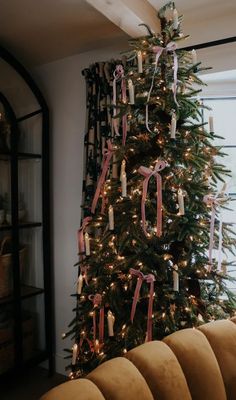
(198, 364)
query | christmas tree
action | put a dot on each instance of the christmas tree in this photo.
(146, 266)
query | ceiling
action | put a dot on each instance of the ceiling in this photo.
(41, 31)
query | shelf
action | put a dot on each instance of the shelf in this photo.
(29, 156)
(26, 292)
(21, 225)
(6, 156)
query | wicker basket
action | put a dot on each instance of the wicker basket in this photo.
(6, 275)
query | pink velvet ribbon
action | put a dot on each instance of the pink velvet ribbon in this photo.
(107, 155)
(171, 47)
(213, 202)
(150, 278)
(97, 302)
(148, 173)
(81, 244)
(119, 74)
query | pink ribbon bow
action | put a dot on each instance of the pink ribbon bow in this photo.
(150, 278)
(119, 74)
(213, 202)
(148, 173)
(171, 47)
(107, 155)
(81, 245)
(97, 301)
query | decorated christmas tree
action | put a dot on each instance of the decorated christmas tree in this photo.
(146, 266)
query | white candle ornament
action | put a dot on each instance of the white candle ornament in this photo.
(111, 218)
(173, 126)
(80, 284)
(122, 170)
(140, 62)
(181, 202)
(74, 353)
(211, 123)
(110, 323)
(175, 279)
(131, 91)
(124, 185)
(175, 19)
(114, 168)
(194, 56)
(87, 244)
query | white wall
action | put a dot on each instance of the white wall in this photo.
(64, 88)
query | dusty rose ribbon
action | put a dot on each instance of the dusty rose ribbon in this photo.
(97, 301)
(171, 47)
(213, 202)
(148, 173)
(150, 278)
(82, 339)
(107, 155)
(81, 244)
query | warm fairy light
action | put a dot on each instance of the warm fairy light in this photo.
(82, 297)
(120, 257)
(187, 309)
(126, 287)
(94, 279)
(124, 326)
(125, 351)
(63, 336)
(112, 284)
(163, 315)
(91, 313)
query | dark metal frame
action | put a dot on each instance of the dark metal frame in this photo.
(46, 226)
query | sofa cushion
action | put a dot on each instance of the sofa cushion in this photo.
(222, 338)
(81, 389)
(161, 370)
(198, 363)
(233, 319)
(119, 379)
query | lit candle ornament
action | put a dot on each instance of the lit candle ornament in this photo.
(87, 244)
(175, 19)
(110, 323)
(140, 62)
(173, 126)
(124, 184)
(181, 202)
(194, 56)
(74, 353)
(122, 170)
(175, 279)
(111, 218)
(131, 91)
(80, 284)
(211, 123)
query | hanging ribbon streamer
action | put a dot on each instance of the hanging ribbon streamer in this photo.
(81, 243)
(119, 74)
(148, 173)
(220, 244)
(150, 278)
(97, 302)
(171, 47)
(213, 202)
(107, 155)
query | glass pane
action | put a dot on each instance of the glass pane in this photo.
(5, 191)
(16, 91)
(30, 138)
(32, 258)
(33, 324)
(5, 131)
(7, 348)
(30, 184)
(6, 267)
(223, 111)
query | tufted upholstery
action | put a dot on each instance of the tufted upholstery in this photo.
(197, 364)
(222, 338)
(86, 390)
(159, 366)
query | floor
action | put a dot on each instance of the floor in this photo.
(29, 386)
